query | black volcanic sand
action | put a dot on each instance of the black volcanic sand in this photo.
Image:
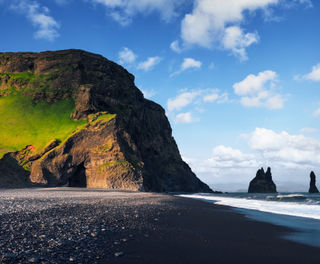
(95, 226)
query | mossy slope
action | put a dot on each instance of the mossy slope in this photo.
(24, 122)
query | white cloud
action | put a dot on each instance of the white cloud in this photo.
(196, 98)
(149, 63)
(211, 97)
(223, 98)
(47, 26)
(257, 91)
(314, 75)
(188, 63)
(274, 102)
(184, 118)
(148, 94)
(225, 165)
(235, 40)
(317, 113)
(121, 19)
(127, 56)
(285, 149)
(216, 22)
(254, 83)
(124, 10)
(309, 130)
(182, 100)
(227, 157)
(175, 46)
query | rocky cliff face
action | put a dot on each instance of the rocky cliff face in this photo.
(262, 183)
(124, 140)
(313, 188)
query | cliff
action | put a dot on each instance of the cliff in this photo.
(262, 183)
(73, 117)
(313, 188)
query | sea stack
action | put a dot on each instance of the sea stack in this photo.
(262, 183)
(75, 118)
(313, 188)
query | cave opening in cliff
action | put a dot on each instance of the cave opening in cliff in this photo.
(79, 178)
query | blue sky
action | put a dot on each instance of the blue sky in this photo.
(239, 79)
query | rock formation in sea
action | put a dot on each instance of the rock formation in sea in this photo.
(75, 118)
(313, 188)
(262, 183)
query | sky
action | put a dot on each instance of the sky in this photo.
(239, 79)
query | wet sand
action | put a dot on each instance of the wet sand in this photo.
(96, 226)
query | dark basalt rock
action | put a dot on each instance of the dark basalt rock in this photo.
(133, 151)
(12, 175)
(262, 183)
(313, 188)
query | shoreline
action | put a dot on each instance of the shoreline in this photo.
(305, 226)
(208, 233)
(95, 226)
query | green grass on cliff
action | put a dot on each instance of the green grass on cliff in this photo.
(31, 82)
(23, 123)
(24, 76)
(20, 76)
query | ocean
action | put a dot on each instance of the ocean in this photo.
(298, 211)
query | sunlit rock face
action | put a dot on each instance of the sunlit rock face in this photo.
(120, 141)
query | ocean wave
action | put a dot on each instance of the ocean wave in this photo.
(309, 208)
(293, 195)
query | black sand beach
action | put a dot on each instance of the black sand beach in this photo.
(95, 226)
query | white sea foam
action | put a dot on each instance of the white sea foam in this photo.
(291, 195)
(275, 207)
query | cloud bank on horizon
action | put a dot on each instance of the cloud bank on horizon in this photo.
(292, 153)
(245, 73)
